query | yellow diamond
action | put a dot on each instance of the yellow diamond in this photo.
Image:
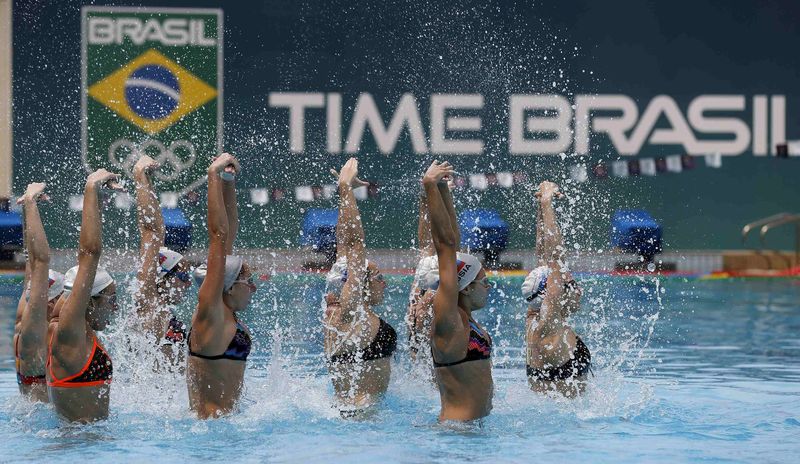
(191, 94)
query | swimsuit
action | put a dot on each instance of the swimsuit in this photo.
(479, 347)
(237, 350)
(96, 371)
(579, 364)
(383, 345)
(25, 379)
(176, 332)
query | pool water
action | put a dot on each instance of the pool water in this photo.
(684, 370)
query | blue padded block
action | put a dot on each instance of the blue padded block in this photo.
(319, 229)
(178, 228)
(10, 229)
(635, 231)
(483, 229)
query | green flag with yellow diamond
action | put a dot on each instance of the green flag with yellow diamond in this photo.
(152, 84)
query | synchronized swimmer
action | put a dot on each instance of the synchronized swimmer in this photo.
(59, 358)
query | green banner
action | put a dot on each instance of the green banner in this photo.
(152, 84)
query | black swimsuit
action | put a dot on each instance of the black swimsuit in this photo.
(238, 348)
(578, 365)
(384, 344)
(480, 346)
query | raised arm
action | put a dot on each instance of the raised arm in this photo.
(22, 303)
(350, 235)
(210, 308)
(231, 211)
(559, 301)
(152, 232)
(446, 318)
(424, 239)
(151, 229)
(34, 320)
(539, 250)
(71, 329)
(445, 189)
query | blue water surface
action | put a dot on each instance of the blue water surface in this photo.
(684, 370)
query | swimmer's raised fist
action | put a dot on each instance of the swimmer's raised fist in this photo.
(103, 178)
(34, 193)
(437, 172)
(225, 163)
(145, 165)
(349, 174)
(547, 191)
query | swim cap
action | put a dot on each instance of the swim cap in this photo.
(55, 284)
(534, 284)
(233, 266)
(467, 268)
(102, 279)
(337, 276)
(167, 259)
(199, 274)
(427, 273)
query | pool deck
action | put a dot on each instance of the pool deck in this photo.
(694, 263)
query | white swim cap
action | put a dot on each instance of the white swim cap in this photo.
(102, 279)
(427, 273)
(467, 268)
(199, 274)
(167, 259)
(55, 284)
(233, 266)
(535, 284)
(337, 276)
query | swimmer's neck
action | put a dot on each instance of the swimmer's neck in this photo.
(468, 312)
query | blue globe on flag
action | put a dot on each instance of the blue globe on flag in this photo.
(152, 91)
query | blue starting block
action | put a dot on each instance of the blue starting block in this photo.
(484, 230)
(319, 231)
(178, 230)
(10, 234)
(635, 231)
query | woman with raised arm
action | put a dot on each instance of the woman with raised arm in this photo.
(556, 358)
(420, 299)
(78, 367)
(218, 342)
(358, 343)
(164, 276)
(42, 290)
(461, 348)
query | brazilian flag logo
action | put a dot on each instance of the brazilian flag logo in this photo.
(152, 84)
(152, 92)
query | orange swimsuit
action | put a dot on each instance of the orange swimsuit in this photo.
(96, 371)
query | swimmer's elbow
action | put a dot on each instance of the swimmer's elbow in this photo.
(447, 240)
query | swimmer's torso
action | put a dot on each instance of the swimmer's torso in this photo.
(545, 353)
(465, 385)
(356, 381)
(215, 385)
(466, 390)
(80, 393)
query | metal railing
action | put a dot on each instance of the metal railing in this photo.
(768, 223)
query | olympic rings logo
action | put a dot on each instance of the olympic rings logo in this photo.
(179, 156)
